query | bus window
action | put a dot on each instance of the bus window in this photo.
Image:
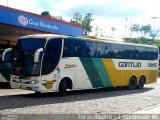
(87, 49)
(130, 52)
(78, 48)
(107, 50)
(68, 49)
(51, 55)
(148, 54)
(154, 55)
(82, 48)
(100, 49)
(23, 56)
(140, 53)
(93, 51)
(8, 56)
(117, 51)
(120, 53)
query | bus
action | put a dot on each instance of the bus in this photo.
(159, 66)
(5, 64)
(58, 63)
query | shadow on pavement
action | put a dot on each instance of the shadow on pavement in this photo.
(27, 100)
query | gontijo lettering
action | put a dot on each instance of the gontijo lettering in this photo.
(129, 64)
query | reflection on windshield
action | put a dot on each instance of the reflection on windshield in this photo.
(23, 57)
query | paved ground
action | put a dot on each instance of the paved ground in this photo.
(102, 101)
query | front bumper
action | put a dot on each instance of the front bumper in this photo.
(33, 87)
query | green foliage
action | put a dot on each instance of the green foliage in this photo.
(135, 27)
(46, 13)
(77, 19)
(145, 29)
(85, 22)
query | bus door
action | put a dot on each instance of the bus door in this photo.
(51, 59)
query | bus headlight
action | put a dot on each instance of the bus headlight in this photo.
(33, 82)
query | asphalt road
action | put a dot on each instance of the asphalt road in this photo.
(99, 101)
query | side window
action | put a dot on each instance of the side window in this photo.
(68, 49)
(140, 53)
(100, 49)
(93, 49)
(82, 48)
(78, 48)
(130, 52)
(51, 55)
(151, 54)
(155, 54)
(113, 51)
(117, 51)
(148, 54)
(107, 50)
(8, 56)
(87, 49)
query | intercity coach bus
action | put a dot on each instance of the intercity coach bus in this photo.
(48, 62)
(5, 64)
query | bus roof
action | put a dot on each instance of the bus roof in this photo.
(96, 39)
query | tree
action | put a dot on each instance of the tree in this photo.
(134, 28)
(86, 23)
(46, 13)
(145, 30)
(77, 19)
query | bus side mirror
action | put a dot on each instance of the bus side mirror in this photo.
(37, 55)
(7, 55)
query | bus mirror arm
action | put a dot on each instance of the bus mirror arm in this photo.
(37, 55)
(5, 52)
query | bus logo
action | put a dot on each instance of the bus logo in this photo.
(23, 20)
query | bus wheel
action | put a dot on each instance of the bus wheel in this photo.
(63, 87)
(132, 83)
(141, 82)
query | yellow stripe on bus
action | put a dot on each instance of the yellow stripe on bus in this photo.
(121, 77)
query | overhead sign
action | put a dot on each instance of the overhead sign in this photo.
(37, 23)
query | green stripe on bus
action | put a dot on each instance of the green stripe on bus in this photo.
(5, 69)
(92, 72)
(102, 72)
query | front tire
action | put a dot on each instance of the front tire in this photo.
(63, 88)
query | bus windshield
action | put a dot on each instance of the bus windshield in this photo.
(1, 52)
(23, 56)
